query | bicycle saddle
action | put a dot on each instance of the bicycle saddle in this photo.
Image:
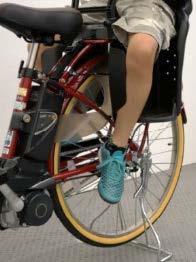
(37, 23)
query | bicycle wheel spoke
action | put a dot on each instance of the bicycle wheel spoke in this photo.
(99, 216)
(157, 177)
(83, 192)
(136, 185)
(166, 163)
(158, 135)
(105, 222)
(161, 139)
(163, 152)
(148, 203)
(161, 170)
(136, 211)
(121, 216)
(153, 194)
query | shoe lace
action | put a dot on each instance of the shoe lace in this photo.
(115, 165)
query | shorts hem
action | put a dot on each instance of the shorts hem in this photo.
(122, 32)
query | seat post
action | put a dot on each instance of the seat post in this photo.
(32, 55)
(75, 3)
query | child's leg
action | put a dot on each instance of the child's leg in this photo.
(144, 28)
(140, 58)
(141, 52)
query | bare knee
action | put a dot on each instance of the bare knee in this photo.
(141, 53)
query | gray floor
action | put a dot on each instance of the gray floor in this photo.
(51, 242)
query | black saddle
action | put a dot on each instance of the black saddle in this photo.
(39, 24)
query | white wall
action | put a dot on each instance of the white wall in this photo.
(14, 49)
(189, 92)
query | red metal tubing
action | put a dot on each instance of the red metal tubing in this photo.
(86, 49)
(20, 106)
(72, 173)
(143, 139)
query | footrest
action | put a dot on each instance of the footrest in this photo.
(8, 167)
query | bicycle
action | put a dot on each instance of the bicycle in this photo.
(63, 114)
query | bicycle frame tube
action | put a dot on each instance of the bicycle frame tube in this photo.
(69, 69)
(69, 82)
(32, 56)
(71, 88)
(63, 175)
(86, 101)
(75, 3)
(20, 104)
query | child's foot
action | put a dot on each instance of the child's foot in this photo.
(111, 184)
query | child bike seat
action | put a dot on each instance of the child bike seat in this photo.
(165, 100)
(36, 23)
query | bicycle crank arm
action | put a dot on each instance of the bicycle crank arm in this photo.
(15, 202)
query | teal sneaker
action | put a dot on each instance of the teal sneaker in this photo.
(111, 184)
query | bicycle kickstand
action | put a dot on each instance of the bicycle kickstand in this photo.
(162, 255)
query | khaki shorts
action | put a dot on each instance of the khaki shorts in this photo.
(153, 17)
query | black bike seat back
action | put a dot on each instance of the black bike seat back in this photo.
(187, 6)
(37, 23)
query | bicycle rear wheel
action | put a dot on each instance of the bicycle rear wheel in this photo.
(77, 202)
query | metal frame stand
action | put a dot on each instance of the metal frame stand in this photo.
(162, 255)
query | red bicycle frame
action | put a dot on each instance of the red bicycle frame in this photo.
(71, 88)
(69, 82)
